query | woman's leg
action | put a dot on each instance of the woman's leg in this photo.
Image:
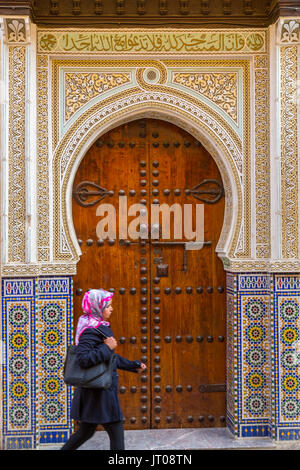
(116, 435)
(85, 432)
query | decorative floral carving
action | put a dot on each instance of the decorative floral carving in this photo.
(221, 88)
(16, 132)
(290, 31)
(42, 160)
(15, 30)
(289, 148)
(82, 87)
(262, 174)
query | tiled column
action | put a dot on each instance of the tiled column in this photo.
(248, 354)
(36, 330)
(263, 355)
(19, 364)
(285, 322)
(231, 358)
(53, 335)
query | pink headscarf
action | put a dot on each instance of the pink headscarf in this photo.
(93, 303)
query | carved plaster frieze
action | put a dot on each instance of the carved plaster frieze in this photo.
(43, 226)
(220, 88)
(81, 87)
(289, 151)
(262, 150)
(16, 155)
(37, 269)
(255, 265)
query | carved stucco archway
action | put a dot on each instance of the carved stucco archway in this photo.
(200, 123)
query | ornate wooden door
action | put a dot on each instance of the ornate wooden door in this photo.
(169, 302)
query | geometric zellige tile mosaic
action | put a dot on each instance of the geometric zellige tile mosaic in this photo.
(36, 330)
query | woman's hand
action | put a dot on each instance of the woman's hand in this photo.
(111, 342)
(143, 367)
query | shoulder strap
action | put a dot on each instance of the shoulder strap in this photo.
(100, 331)
(105, 336)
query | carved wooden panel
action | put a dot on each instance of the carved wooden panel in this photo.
(194, 13)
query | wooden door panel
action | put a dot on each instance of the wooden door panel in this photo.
(180, 333)
(191, 323)
(113, 162)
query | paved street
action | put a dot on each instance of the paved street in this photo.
(184, 439)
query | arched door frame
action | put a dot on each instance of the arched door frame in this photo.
(201, 122)
(212, 136)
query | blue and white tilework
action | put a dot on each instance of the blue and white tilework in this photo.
(18, 364)
(286, 357)
(263, 343)
(263, 358)
(36, 330)
(249, 350)
(230, 352)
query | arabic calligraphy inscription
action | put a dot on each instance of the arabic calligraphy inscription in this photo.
(150, 42)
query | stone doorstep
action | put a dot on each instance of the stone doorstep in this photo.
(184, 439)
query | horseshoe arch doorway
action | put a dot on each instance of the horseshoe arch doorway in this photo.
(169, 302)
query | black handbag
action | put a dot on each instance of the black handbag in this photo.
(97, 376)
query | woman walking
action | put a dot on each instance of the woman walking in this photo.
(96, 406)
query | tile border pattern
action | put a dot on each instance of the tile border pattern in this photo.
(285, 323)
(19, 365)
(263, 337)
(263, 332)
(36, 330)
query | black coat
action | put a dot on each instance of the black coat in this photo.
(96, 405)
